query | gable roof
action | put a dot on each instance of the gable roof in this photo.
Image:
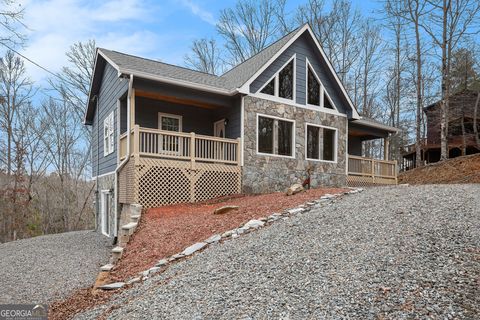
(230, 83)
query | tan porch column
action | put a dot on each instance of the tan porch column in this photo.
(386, 147)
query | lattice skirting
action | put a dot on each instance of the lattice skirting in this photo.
(159, 182)
(126, 183)
(366, 181)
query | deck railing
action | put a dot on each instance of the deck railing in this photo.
(180, 146)
(372, 171)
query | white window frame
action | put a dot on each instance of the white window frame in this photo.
(104, 227)
(109, 134)
(277, 87)
(170, 115)
(335, 144)
(293, 136)
(322, 92)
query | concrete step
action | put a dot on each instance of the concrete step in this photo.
(135, 218)
(107, 267)
(130, 227)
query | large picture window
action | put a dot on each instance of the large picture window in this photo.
(321, 143)
(108, 134)
(282, 84)
(275, 136)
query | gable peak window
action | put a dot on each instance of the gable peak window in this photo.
(313, 85)
(282, 84)
(326, 102)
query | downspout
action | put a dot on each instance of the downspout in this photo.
(127, 156)
(98, 164)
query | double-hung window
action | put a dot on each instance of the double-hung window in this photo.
(282, 84)
(275, 136)
(108, 134)
(321, 143)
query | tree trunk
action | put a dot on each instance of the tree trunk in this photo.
(418, 135)
(444, 104)
(475, 123)
(464, 141)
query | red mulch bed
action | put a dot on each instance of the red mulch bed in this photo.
(168, 230)
(165, 231)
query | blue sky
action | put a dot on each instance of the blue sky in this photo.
(160, 30)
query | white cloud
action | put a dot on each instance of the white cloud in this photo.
(54, 25)
(203, 14)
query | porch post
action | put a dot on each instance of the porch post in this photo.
(136, 141)
(239, 151)
(192, 150)
(386, 147)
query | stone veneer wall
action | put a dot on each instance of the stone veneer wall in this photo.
(106, 183)
(263, 174)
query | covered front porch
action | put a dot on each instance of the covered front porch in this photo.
(368, 171)
(180, 147)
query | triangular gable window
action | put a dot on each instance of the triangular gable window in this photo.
(326, 101)
(269, 88)
(282, 84)
(313, 89)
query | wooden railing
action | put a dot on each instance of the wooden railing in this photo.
(372, 171)
(180, 146)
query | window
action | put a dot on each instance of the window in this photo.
(275, 136)
(105, 212)
(321, 143)
(313, 86)
(108, 134)
(282, 84)
(169, 122)
(326, 101)
(285, 82)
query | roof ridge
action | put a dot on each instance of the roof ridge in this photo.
(156, 61)
(256, 54)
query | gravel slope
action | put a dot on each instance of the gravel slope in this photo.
(396, 253)
(41, 269)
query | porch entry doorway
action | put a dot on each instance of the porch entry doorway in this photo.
(104, 212)
(170, 144)
(219, 128)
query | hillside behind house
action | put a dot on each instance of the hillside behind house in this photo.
(464, 169)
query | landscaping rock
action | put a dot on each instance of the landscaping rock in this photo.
(134, 280)
(225, 209)
(296, 210)
(214, 238)
(194, 248)
(254, 224)
(294, 189)
(153, 270)
(228, 233)
(161, 263)
(113, 286)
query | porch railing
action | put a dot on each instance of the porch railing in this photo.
(180, 146)
(372, 171)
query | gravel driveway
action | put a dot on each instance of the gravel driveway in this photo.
(394, 252)
(41, 269)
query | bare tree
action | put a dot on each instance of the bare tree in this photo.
(11, 16)
(205, 57)
(454, 20)
(249, 27)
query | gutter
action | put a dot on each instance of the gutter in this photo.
(127, 157)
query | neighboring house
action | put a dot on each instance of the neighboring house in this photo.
(461, 134)
(165, 134)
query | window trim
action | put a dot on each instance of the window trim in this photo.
(277, 87)
(109, 124)
(170, 115)
(335, 153)
(104, 227)
(293, 136)
(323, 92)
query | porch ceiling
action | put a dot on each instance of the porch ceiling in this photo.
(174, 99)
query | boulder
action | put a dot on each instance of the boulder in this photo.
(294, 189)
(225, 209)
(254, 224)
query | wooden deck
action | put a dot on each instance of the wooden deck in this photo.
(370, 172)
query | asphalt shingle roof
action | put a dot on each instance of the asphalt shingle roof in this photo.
(230, 80)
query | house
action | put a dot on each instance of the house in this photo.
(165, 134)
(461, 134)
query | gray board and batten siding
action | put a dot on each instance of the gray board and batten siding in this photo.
(111, 89)
(304, 47)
